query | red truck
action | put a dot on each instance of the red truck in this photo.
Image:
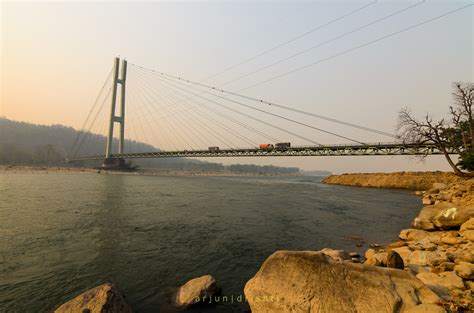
(266, 146)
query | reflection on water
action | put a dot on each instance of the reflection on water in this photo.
(63, 233)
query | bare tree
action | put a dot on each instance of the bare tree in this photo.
(455, 135)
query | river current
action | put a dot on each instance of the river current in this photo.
(61, 234)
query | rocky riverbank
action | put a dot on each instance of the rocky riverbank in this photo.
(430, 269)
(439, 248)
(399, 180)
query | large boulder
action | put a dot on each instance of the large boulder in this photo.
(444, 215)
(197, 290)
(105, 298)
(309, 281)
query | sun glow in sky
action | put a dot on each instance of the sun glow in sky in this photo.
(55, 57)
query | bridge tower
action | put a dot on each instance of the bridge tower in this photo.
(114, 118)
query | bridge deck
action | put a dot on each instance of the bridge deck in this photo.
(380, 149)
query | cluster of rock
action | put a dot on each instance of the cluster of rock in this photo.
(439, 249)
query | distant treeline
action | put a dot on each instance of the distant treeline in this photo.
(30, 144)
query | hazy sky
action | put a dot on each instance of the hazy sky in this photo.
(55, 57)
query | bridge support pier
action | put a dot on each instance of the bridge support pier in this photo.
(109, 162)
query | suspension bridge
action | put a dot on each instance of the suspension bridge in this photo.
(200, 126)
(146, 113)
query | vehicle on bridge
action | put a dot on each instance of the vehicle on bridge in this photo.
(266, 146)
(282, 145)
(214, 149)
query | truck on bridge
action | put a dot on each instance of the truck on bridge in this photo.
(277, 146)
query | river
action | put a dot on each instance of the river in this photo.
(63, 233)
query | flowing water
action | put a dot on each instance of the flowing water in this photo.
(63, 233)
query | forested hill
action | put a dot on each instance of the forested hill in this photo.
(30, 144)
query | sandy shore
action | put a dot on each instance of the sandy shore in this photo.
(146, 172)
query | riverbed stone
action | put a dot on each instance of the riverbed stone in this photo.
(444, 267)
(442, 283)
(422, 257)
(378, 259)
(463, 252)
(465, 270)
(431, 191)
(411, 234)
(468, 234)
(310, 281)
(450, 239)
(417, 269)
(195, 291)
(427, 308)
(423, 244)
(468, 225)
(394, 260)
(396, 244)
(337, 255)
(428, 200)
(467, 229)
(440, 186)
(105, 298)
(470, 285)
(370, 252)
(405, 253)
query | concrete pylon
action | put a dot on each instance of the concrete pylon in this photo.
(114, 118)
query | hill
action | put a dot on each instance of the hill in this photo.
(24, 143)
